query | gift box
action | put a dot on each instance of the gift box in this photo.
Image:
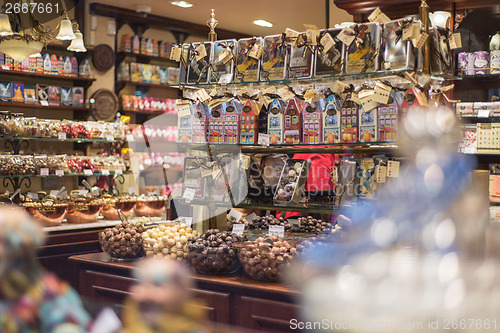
(17, 92)
(349, 125)
(331, 120)
(249, 123)
(247, 68)
(199, 122)
(388, 118)
(312, 119)
(232, 118)
(77, 96)
(66, 96)
(29, 93)
(274, 57)
(275, 121)
(300, 62)
(216, 125)
(192, 175)
(368, 129)
(331, 62)
(293, 121)
(292, 180)
(219, 67)
(42, 92)
(397, 53)
(54, 95)
(199, 70)
(184, 126)
(362, 53)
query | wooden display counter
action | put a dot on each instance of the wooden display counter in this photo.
(230, 300)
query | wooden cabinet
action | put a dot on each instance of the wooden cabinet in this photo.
(229, 300)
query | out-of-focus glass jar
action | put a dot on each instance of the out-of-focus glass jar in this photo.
(30, 127)
(23, 165)
(5, 165)
(4, 124)
(41, 162)
(16, 123)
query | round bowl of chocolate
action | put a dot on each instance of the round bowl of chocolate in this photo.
(123, 242)
(81, 211)
(214, 252)
(266, 258)
(111, 206)
(48, 213)
(150, 206)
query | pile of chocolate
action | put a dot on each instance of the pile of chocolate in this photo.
(312, 225)
(265, 221)
(123, 241)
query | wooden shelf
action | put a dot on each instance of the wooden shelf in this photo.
(156, 113)
(50, 107)
(144, 84)
(86, 80)
(122, 54)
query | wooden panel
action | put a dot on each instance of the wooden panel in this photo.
(217, 304)
(267, 315)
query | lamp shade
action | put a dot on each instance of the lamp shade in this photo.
(439, 19)
(77, 44)
(66, 31)
(5, 28)
(19, 49)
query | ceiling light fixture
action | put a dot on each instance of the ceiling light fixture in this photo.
(263, 23)
(182, 4)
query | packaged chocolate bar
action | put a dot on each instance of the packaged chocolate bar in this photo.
(300, 62)
(223, 59)
(42, 93)
(397, 53)
(362, 55)
(481, 62)
(232, 117)
(215, 125)
(331, 120)
(293, 121)
(275, 121)
(5, 91)
(199, 70)
(349, 125)
(249, 123)
(29, 94)
(247, 68)
(17, 92)
(368, 129)
(332, 61)
(292, 181)
(274, 56)
(184, 125)
(54, 95)
(312, 119)
(66, 96)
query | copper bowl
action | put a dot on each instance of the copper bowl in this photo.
(48, 216)
(83, 212)
(153, 208)
(110, 209)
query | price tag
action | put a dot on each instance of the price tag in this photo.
(225, 56)
(252, 217)
(95, 191)
(380, 174)
(59, 173)
(188, 221)
(408, 32)
(110, 138)
(54, 193)
(347, 36)
(276, 230)
(131, 190)
(355, 99)
(33, 195)
(327, 42)
(118, 172)
(455, 41)
(264, 139)
(83, 192)
(44, 171)
(201, 52)
(312, 37)
(175, 53)
(236, 214)
(393, 169)
(202, 95)
(189, 194)
(270, 90)
(339, 87)
(44, 103)
(382, 93)
(88, 172)
(365, 93)
(62, 136)
(379, 17)
(256, 51)
(418, 43)
(5, 68)
(291, 36)
(483, 114)
(286, 94)
(183, 110)
(105, 172)
(369, 104)
(238, 229)
(130, 138)
(225, 78)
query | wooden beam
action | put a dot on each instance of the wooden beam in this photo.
(131, 17)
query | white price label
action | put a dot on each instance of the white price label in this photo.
(189, 194)
(62, 136)
(175, 54)
(483, 114)
(88, 172)
(183, 110)
(130, 138)
(393, 169)
(95, 191)
(456, 41)
(44, 103)
(83, 192)
(347, 36)
(59, 173)
(5, 68)
(225, 78)
(201, 52)
(44, 171)
(131, 190)
(202, 95)
(105, 172)
(238, 229)
(276, 230)
(327, 42)
(236, 214)
(110, 138)
(118, 172)
(54, 193)
(188, 221)
(252, 217)
(264, 139)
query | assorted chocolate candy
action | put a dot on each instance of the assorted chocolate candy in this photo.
(123, 241)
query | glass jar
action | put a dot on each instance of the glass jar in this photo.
(41, 162)
(16, 123)
(30, 127)
(4, 124)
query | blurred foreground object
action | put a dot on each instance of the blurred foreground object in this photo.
(161, 302)
(413, 260)
(32, 300)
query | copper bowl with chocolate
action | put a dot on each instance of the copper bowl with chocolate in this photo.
(150, 207)
(110, 208)
(47, 215)
(83, 212)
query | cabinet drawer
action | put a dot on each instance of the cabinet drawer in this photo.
(267, 315)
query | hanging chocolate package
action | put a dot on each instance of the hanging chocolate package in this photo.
(199, 63)
(363, 53)
(329, 54)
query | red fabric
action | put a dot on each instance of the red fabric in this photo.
(319, 178)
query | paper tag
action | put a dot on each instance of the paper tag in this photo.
(317, 97)
(408, 32)
(201, 95)
(95, 191)
(379, 17)
(130, 138)
(5, 68)
(483, 113)
(236, 214)
(456, 41)
(245, 161)
(44, 103)
(118, 171)
(110, 138)
(380, 174)
(312, 37)
(59, 173)
(276, 230)
(382, 93)
(238, 229)
(225, 78)
(175, 53)
(339, 87)
(256, 51)
(393, 169)
(33, 195)
(309, 95)
(88, 172)
(183, 110)
(270, 90)
(369, 104)
(355, 99)
(83, 192)
(105, 172)
(251, 217)
(189, 194)
(286, 94)
(206, 172)
(291, 36)
(225, 56)
(201, 52)
(44, 171)
(365, 93)
(53, 193)
(327, 42)
(131, 190)
(347, 36)
(264, 139)
(62, 135)
(421, 40)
